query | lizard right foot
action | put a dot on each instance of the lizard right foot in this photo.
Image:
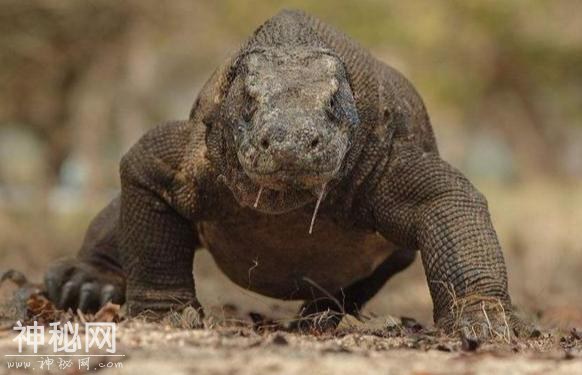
(83, 285)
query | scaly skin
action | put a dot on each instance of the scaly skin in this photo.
(301, 115)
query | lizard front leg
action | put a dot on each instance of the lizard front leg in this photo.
(160, 203)
(422, 202)
(94, 277)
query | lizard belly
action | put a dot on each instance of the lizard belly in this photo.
(277, 257)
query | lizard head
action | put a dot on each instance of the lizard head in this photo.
(289, 115)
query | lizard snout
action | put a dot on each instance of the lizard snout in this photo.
(291, 147)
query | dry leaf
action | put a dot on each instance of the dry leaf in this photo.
(108, 313)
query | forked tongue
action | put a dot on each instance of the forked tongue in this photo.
(258, 197)
(321, 193)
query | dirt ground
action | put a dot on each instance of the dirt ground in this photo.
(538, 227)
(353, 348)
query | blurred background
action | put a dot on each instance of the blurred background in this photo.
(81, 81)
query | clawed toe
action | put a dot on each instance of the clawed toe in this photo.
(74, 284)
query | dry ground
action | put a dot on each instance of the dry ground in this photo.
(376, 347)
(539, 228)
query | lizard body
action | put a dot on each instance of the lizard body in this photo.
(302, 125)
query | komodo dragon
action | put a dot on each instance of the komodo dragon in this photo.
(310, 162)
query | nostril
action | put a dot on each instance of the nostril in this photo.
(314, 142)
(265, 143)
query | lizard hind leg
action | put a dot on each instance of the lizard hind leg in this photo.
(326, 313)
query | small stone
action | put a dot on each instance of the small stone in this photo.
(279, 339)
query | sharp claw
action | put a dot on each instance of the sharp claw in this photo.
(53, 283)
(107, 294)
(52, 288)
(88, 297)
(68, 295)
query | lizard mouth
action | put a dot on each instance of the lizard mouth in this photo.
(286, 175)
(318, 192)
(285, 179)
